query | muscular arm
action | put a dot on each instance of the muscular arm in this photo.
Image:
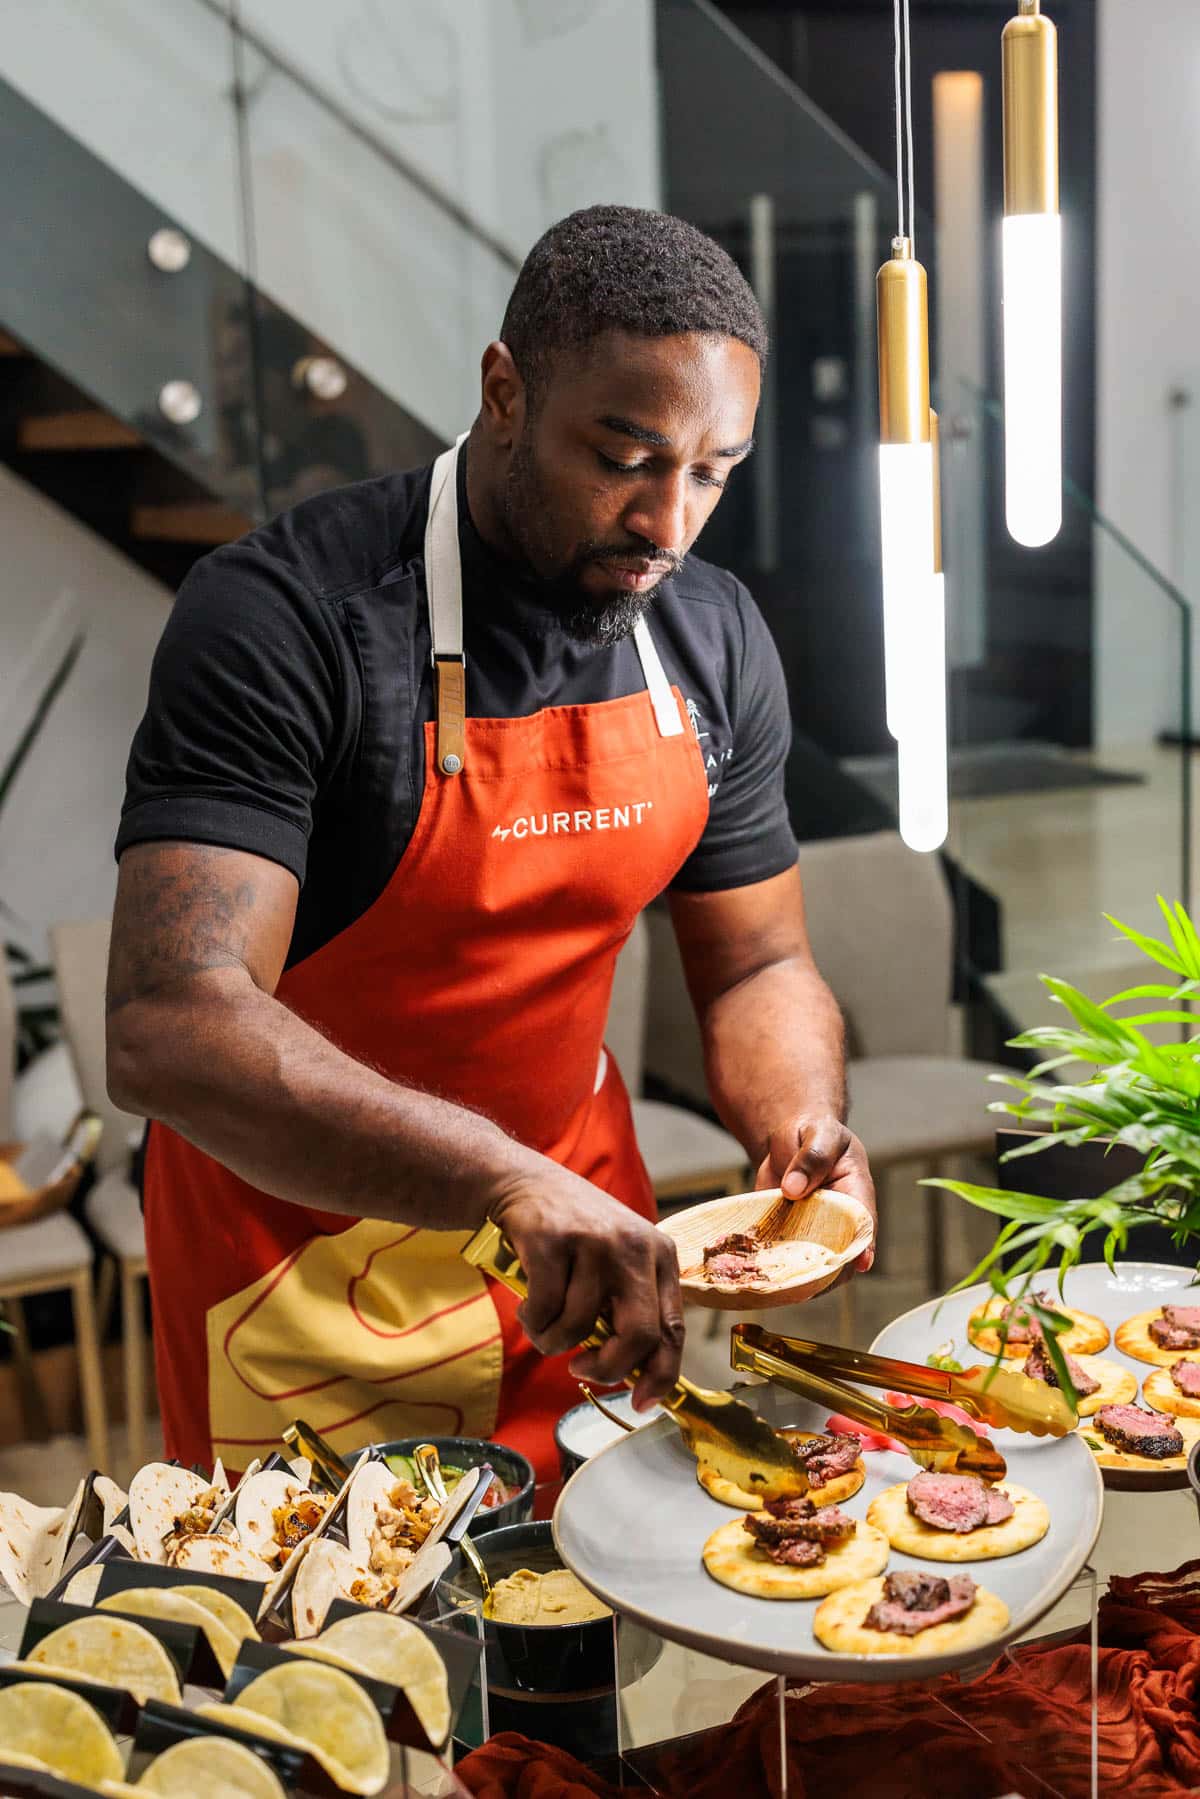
(197, 1039)
(774, 1046)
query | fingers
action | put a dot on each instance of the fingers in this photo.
(547, 1271)
(821, 1147)
(586, 1257)
(661, 1372)
(585, 1299)
(646, 1313)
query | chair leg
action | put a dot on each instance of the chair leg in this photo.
(847, 1313)
(935, 1237)
(91, 1380)
(29, 1393)
(134, 1348)
(106, 1292)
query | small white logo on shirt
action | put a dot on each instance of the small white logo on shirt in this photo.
(590, 818)
(714, 760)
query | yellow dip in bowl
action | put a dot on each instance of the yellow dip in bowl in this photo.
(556, 1597)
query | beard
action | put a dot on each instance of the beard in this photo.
(595, 621)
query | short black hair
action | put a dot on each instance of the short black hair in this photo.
(623, 268)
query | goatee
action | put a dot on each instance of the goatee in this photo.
(594, 622)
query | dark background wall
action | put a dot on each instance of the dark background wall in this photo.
(823, 602)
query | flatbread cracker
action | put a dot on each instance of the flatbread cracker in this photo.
(1109, 1456)
(726, 1492)
(1117, 1385)
(1160, 1391)
(731, 1556)
(912, 1536)
(1087, 1335)
(838, 1625)
(1134, 1339)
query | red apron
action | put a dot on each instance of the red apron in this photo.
(483, 974)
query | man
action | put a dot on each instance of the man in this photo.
(416, 755)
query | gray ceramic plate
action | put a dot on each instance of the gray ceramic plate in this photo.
(633, 1521)
(1135, 1287)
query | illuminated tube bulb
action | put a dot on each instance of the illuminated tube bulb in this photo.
(921, 752)
(1032, 258)
(905, 467)
(924, 808)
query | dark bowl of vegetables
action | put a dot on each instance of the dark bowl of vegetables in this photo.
(509, 1499)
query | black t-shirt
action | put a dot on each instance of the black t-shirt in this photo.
(292, 684)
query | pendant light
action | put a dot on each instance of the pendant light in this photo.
(1032, 257)
(922, 748)
(914, 635)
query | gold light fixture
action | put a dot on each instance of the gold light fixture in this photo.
(914, 633)
(1032, 257)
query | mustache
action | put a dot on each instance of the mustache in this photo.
(650, 553)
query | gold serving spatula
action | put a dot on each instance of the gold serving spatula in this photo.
(995, 1395)
(932, 1439)
(720, 1431)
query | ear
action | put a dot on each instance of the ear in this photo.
(502, 396)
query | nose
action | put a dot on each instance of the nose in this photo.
(658, 512)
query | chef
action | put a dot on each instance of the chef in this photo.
(416, 754)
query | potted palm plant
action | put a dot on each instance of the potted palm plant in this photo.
(1124, 1090)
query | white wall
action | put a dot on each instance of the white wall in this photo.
(1148, 277)
(520, 110)
(58, 824)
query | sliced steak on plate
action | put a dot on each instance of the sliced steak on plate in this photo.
(732, 1257)
(797, 1552)
(1185, 1377)
(1178, 1328)
(1039, 1367)
(786, 1534)
(824, 1458)
(800, 1517)
(914, 1601)
(796, 1533)
(1016, 1323)
(958, 1502)
(1138, 1432)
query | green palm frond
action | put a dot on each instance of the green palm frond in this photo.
(1141, 1095)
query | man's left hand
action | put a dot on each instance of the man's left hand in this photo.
(806, 1153)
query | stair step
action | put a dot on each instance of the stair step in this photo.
(87, 430)
(10, 347)
(190, 521)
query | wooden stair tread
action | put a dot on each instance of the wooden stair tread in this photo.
(83, 430)
(190, 521)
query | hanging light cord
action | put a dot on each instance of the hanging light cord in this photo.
(899, 126)
(912, 207)
(904, 130)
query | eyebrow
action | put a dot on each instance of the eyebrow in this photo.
(644, 435)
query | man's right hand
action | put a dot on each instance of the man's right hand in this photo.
(586, 1256)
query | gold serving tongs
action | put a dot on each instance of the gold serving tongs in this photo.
(931, 1438)
(995, 1395)
(720, 1431)
(428, 1464)
(331, 1468)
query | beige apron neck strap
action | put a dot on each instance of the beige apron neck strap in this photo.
(666, 711)
(443, 589)
(443, 592)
